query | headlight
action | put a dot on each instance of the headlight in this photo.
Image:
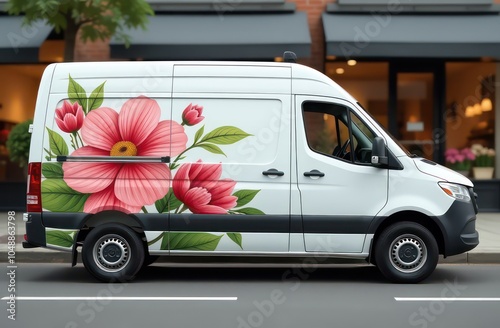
(456, 191)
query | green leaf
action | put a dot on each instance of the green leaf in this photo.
(249, 211)
(59, 238)
(198, 134)
(211, 148)
(164, 242)
(52, 170)
(225, 135)
(168, 203)
(236, 237)
(57, 196)
(195, 241)
(96, 97)
(57, 144)
(76, 93)
(245, 196)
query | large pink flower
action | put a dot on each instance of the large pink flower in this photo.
(197, 185)
(135, 131)
(69, 117)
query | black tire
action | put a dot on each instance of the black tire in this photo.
(150, 259)
(113, 253)
(406, 252)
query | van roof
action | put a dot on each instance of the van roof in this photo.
(305, 80)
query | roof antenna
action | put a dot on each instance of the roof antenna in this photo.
(289, 57)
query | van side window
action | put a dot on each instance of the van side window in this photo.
(327, 131)
(336, 131)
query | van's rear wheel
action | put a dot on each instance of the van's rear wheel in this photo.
(406, 252)
(113, 253)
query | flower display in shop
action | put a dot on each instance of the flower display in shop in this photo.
(485, 157)
(459, 160)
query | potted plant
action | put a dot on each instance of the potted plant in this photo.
(484, 163)
(460, 160)
(18, 143)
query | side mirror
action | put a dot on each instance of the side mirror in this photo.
(379, 153)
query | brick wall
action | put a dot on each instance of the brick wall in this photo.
(91, 51)
(314, 9)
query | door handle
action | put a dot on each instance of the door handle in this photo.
(273, 172)
(314, 173)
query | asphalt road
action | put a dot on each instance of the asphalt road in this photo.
(288, 296)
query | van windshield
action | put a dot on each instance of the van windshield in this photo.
(407, 152)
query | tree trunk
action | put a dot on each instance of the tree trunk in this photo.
(70, 38)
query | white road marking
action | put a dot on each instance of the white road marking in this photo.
(117, 298)
(447, 299)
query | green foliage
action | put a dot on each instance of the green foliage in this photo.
(18, 143)
(96, 19)
(60, 238)
(57, 196)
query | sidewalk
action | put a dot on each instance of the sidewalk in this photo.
(488, 251)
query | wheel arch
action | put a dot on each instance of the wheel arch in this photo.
(95, 220)
(409, 216)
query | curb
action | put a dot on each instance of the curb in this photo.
(49, 256)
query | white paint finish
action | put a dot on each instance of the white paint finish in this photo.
(297, 244)
(131, 78)
(368, 243)
(121, 298)
(334, 243)
(411, 190)
(232, 79)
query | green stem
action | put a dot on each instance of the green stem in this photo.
(73, 141)
(156, 239)
(144, 209)
(182, 153)
(81, 141)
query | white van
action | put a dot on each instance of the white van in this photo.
(132, 160)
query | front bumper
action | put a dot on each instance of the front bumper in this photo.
(458, 225)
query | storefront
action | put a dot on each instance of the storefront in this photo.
(425, 69)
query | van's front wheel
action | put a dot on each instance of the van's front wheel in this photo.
(113, 253)
(406, 252)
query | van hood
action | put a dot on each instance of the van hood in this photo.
(429, 167)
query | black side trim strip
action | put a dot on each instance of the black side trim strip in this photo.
(230, 223)
(337, 224)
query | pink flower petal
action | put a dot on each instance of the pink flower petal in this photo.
(89, 177)
(158, 143)
(223, 188)
(181, 184)
(197, 199)
(226, 202)
(138, 118)
(142, 184)
(207, 176)
(178, 139)
(100, 128)
(106, 200)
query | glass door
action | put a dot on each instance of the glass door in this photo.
(416, 107)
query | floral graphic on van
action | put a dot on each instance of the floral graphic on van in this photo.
(198, 186)
(94, 130)
(69, 117)
(135, 131)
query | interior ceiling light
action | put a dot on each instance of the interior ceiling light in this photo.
(486, 105)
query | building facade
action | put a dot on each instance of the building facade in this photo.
(425, 69)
